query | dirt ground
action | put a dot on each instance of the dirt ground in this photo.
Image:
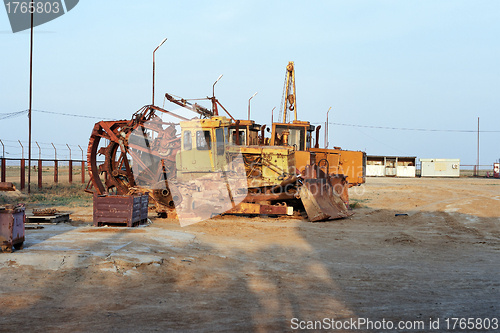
(237, 274)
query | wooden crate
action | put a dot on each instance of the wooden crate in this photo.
(120, 210)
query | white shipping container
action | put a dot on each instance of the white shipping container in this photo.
(375, 170)
(440, 167)
(405, 171)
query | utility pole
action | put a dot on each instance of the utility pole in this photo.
(477, 168)
(32, 6)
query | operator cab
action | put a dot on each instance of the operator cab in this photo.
(203, 145)
(296, 134)
(248, 133)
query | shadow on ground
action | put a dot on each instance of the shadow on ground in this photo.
(238, 275)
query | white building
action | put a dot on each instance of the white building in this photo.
(440, 167)
(390, 166)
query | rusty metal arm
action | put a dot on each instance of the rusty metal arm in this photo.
(193, 107)
(223, 108)
(168, 112)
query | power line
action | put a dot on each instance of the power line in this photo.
(381, 142)
(73, 115)
(12, 114)
(410, 129)
(18, 113)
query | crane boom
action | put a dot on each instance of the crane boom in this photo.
(290, 103)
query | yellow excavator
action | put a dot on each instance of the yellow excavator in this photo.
(215, 165)
(345, 168)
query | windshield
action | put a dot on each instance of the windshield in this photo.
(296, 137)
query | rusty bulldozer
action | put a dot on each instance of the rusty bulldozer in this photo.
(209, 165)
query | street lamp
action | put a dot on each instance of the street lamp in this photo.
(213, 87)
(326, 128)
(163, 41)
(214, 103)
(249, 105)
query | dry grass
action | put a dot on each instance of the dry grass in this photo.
(51, 194)
(65, 194)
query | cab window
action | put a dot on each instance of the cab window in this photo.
(219, 138)
(241, 137)
(203, 140)
(188, 142)
(296, 137)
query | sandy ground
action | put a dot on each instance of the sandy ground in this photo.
(236, 274)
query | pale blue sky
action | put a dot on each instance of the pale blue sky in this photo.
(414, 64)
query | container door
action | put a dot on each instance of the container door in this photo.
(390, 167)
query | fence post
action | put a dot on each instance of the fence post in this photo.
(83, 166)
(2, 170)
(40, 173)
(70, 166)
(39, 165)
(55, 164)
(23, 172)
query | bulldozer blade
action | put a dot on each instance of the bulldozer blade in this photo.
(321, 202)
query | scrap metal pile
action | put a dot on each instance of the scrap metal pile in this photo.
(212, 164)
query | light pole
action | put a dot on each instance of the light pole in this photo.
(213, 87)
(326, 128)
(163, 41)
(249, 105)
(214, 104)
(31, 89)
